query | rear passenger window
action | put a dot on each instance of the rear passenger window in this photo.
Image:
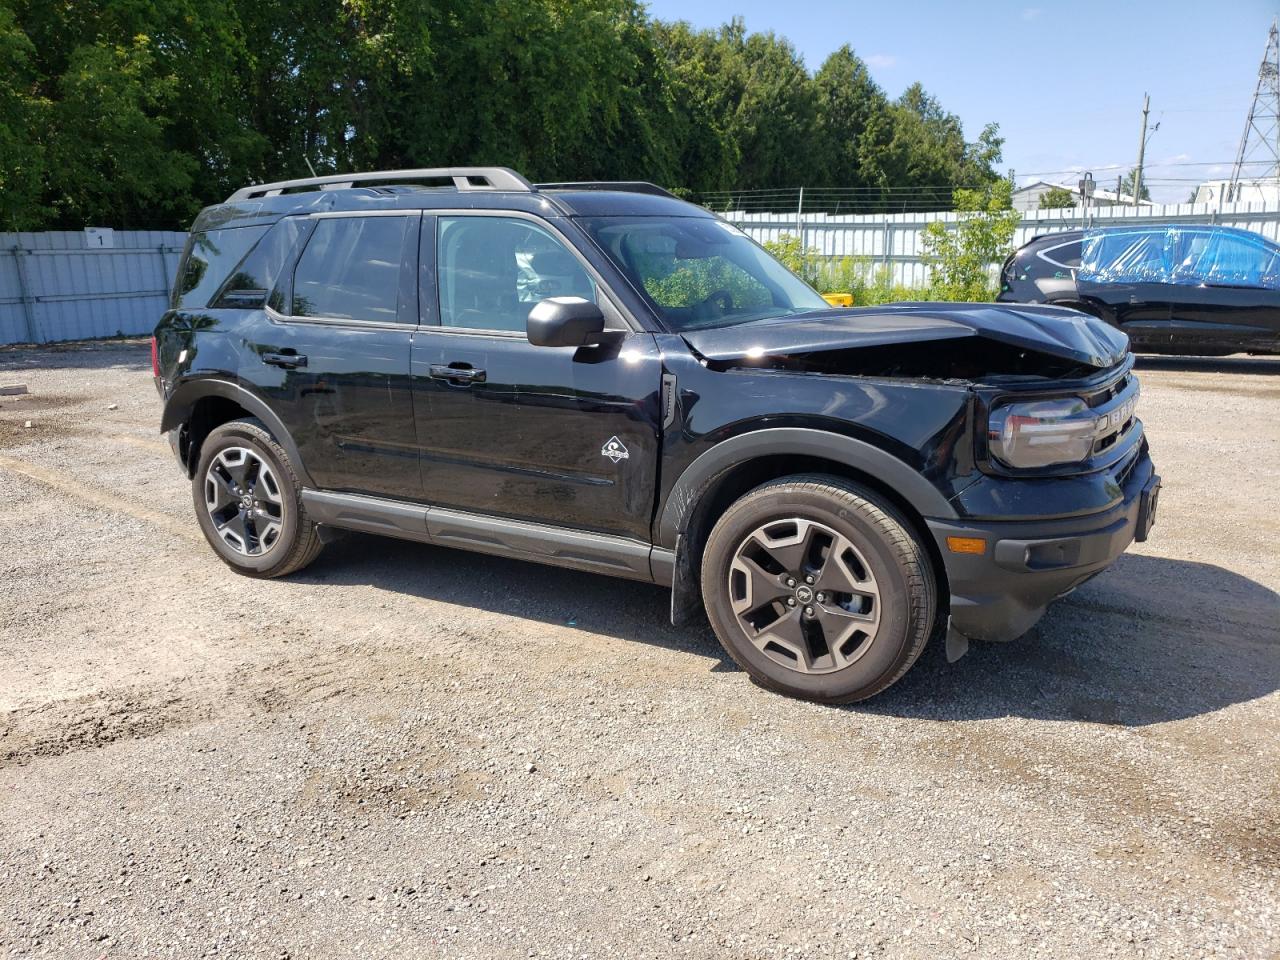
(207, 260)
(258, 272)
(350, 269)
(492, 270)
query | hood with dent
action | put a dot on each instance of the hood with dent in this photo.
(1054, 331)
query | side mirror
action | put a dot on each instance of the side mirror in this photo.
(565, 322)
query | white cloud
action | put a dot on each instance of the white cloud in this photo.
(882, 60)
(1031, 13)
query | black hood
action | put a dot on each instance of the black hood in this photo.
(1054, 331)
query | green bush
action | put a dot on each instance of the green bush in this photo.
(962, 256)
(852, 275)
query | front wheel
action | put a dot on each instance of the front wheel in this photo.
(249, 504)
(819, 588)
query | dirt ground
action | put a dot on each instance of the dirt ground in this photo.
(407, 751)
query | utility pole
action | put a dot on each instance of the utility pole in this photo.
(1119, 184)
(1142, 149)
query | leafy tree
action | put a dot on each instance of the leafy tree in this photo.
(925, 156)
(851, 110)
(1127, 181)
(707, 80)
(139, 112)
(776, 116)
(1056, 198)
(962, 256)
(22, 111)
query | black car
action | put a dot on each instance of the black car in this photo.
(604, 377)
(1203, 290)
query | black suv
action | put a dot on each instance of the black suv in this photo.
(601, 376)
(1188, 289)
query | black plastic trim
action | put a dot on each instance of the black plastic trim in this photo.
(926, 499)
(178, 407)
(518, 539)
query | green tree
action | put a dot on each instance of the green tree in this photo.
(1127, 181)
(852, 115)
(1056, 198)
(962, 256)
(109, 161)
(924, 156)
(22, 113)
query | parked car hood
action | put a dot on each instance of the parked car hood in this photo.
(1055, 331)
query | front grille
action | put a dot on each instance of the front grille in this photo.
(1115, 404)
(1109, 392)
(1126, 470)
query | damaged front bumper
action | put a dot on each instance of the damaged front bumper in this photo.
(1002, 592)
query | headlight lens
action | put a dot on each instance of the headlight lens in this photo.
(1042, 432)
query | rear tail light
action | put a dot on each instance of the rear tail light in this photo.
(155, 358)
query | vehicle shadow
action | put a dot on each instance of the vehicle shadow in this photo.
(1149, 641)
(1234, 364)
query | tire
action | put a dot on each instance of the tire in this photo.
(857, 626)
(241, 465)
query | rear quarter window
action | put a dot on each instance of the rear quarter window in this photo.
(207, 261)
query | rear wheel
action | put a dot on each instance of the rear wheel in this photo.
(248, 502)
(818, 588)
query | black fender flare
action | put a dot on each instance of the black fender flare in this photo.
(178, 407)
(864, 457)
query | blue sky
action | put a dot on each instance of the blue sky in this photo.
(1064, 80)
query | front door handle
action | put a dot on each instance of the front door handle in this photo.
(457, 374)
(286, 360)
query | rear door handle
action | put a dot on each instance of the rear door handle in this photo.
(286, 360)
(459, 375)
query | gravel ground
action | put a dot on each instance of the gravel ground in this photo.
(407, 751)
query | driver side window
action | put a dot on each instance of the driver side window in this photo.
(492, 270)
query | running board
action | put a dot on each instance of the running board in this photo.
(519, 539)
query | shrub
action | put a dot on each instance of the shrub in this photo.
(962, 256)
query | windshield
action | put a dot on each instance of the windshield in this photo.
(699, 272)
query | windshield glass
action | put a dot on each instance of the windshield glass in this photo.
(699, 272)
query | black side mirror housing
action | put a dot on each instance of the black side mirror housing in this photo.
(565, 322)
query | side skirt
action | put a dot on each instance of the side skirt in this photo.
(519, 539)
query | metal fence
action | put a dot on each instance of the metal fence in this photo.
(74, 285)
(893, 242)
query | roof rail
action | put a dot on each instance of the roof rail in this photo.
(496, 178)
(625, 186)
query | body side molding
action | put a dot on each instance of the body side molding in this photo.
(518, 539)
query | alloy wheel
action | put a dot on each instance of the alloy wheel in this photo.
(244, 501)
(804, 595)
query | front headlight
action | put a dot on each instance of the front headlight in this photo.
(1042, 432)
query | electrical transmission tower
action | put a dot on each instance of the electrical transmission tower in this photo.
(1260, 143)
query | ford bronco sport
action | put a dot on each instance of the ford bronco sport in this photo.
(603, 377)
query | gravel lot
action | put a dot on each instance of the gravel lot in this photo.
(407, 751)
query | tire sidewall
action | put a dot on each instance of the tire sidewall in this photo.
(241, 434)
(893, 641)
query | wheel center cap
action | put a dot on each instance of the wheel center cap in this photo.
(246, 501)
(804, 594)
